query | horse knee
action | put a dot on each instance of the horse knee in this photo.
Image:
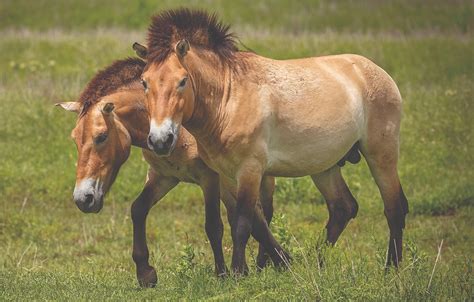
(141, 206)
(243, 228)
(138, 212)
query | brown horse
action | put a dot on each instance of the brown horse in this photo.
(253, 116)
(112, 117)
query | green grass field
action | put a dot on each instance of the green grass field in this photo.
(49, 250)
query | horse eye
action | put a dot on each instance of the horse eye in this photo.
(100, 138)
(145, 86)
(182, 83)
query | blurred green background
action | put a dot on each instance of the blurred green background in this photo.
(291, 16)
(50, 250)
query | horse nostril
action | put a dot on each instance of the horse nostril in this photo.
(150, 142)
(169, 140)
(89, 200)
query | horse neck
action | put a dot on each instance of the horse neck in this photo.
(211, 82)
(133, 115)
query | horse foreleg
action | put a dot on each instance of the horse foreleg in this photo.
(266, 196)
(248, 220)
(248, 190)
(213, 225)
(155, 188)
(267, 188)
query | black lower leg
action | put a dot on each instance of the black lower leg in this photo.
(214, 231)
(339, 216)
(396, 223)
(262, 233)
(242, 227)
(146, 274)
(263, 257)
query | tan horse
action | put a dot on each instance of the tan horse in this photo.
(112, 117)
(254, 116)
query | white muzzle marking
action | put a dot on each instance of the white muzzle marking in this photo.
(159, 137)
(86, 187)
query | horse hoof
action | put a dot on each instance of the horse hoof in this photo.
(240, 271)
(283, 260)
(222, 273)
(147, 278)
(262, 261)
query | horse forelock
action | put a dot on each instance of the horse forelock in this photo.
(120, 73)
(201, 29)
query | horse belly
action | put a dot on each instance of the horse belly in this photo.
(308, 152)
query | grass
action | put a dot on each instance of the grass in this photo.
(49, 250)
(291, 16)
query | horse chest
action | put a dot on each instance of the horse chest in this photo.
(183, 171)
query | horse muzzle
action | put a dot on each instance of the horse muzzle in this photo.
(162, 139)
(88, 196)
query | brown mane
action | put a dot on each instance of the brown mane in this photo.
(201, 29)
(109, 79)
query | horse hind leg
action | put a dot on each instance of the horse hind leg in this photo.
(380, 149)
(341, 203)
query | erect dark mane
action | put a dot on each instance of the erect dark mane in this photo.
(110, 79)
(201, 29)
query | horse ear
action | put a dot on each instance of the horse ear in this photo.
(182, 48)
(108, 108)
(70, 106)
(140, 50)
